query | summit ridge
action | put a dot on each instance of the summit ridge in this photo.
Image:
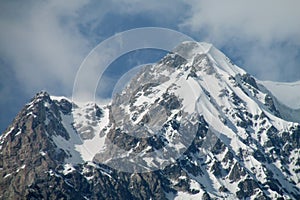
(193, 125)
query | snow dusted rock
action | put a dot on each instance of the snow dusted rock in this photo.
(195, 124)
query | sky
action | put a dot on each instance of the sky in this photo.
(43, 43)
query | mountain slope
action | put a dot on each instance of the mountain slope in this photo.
(287, 93)
(194, 125)
(286, 98)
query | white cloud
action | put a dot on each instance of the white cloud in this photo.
(41, 44)
(44, 44)
(160, 9)
(263, 20)
(263, 34)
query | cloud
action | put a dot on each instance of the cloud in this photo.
(262, 36)
(42, 44)
(158, 9)
(263, 20)
(45, 42)
(273, 61)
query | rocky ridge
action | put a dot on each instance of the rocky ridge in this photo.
(240, 145)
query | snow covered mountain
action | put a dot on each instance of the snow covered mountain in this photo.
(192, 126)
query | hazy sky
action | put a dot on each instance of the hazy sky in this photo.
(42, 43)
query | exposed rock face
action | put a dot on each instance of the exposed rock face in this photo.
(237, 147)
(24, 161)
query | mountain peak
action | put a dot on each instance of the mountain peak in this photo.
(198, 127)
(192, 52)
(190, 48)
(42, 94)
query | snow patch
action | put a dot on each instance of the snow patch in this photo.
(42, 153)
(186, 195)
(59, 98)
(19, 132)
(6, 176)
(68, 168)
